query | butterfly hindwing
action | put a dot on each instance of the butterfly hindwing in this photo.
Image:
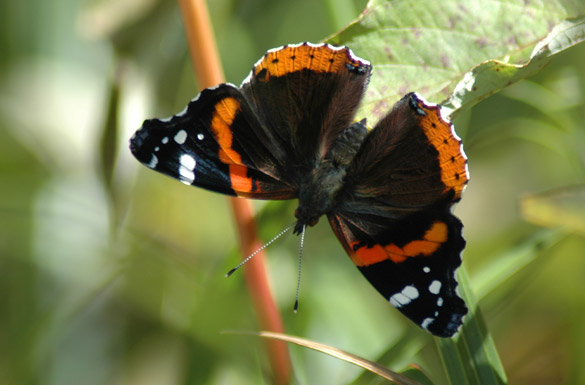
(412, 264)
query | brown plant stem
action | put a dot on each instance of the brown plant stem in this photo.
(208, 70)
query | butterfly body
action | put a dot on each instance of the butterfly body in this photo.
(288, 132)
(317, 193)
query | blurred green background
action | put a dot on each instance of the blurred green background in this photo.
(114, 274)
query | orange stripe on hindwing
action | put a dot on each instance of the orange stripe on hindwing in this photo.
(221, 122)
(431, 242)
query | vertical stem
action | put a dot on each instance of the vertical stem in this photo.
(208, 70)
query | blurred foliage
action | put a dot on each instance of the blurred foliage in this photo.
(431, 46)
(111, 274)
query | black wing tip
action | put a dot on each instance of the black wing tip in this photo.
(449, 324)
(139, 142)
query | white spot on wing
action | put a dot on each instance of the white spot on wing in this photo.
(153, 161)
(440, 301)
(427, 269)
(435, 287)
(426, 323)
(164, 140)
(180, 137)
(186, 169)
(399, 299)
(188, 162)
(406, 296)
(186, 176)
(200, 136)
(410, 292)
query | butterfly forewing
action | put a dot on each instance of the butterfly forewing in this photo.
(199, 147)
(306, 95)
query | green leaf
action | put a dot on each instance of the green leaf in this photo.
(492, 76)
(430, 46)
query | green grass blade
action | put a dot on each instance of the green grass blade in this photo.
(471, 357)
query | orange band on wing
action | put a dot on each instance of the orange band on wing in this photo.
(432, 240)
(304, 56)
(241, 182)
(223, 117)
(221, 121)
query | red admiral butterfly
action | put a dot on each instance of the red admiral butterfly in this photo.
(288, 132)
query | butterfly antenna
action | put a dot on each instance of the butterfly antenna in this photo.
(296, 307)
(260, 249)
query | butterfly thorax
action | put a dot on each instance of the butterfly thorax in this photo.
(318, 191)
